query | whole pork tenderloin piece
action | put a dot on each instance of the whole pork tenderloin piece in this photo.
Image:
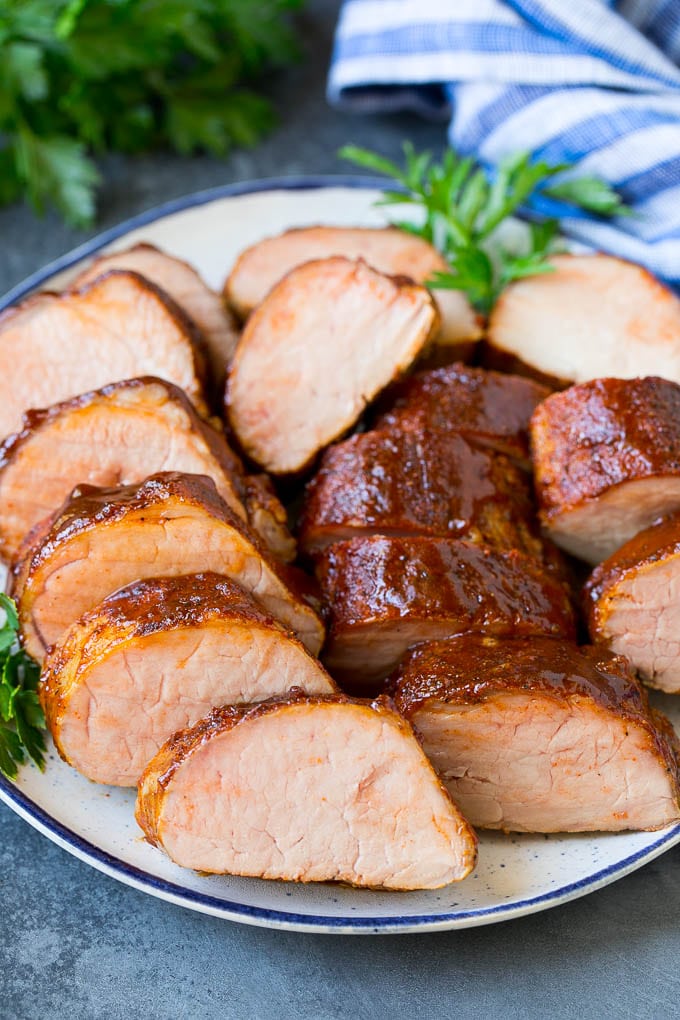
(606, 461)
(537, 735)
(385, 594)
(489, 409)
(170, 524)
(306, 790)
(324, 342)
(155, 657)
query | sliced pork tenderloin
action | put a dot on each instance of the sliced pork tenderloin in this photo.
(631, 603)
(595, 315)
(488, 409)
(184, 285)
(606, 461)
(170, 524)
(120, 326)
(325, 341)
(385, 594)
(537, 735)
(117, 435)
(268, 517)
(155, 657)
(389, 250)
(410, 481)
(306, 790)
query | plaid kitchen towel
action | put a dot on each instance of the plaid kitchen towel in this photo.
(594, 82)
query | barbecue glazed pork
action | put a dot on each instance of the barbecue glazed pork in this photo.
(386, 594)
(537, 735)
(327, 339)
(155, 657)
(185, 286)
(488, 409)
(118, 327)
(306, 790)
(631, 603)
(606, 461)
(593, 315)
(413, 482)
(169, 525)
(117, 435)
(389, 250)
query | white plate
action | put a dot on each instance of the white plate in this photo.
(516, 875)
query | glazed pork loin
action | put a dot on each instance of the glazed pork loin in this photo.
(592, 314)
(384, 594)
(408, 481)
(537, 735)
(155, 657)
(631, 602)
(606, 461)
(118, 327)
(120, 435)
(306, 790)
(185, 286)
(389, 250)
(488, 409)
(170, 524)
(324, 342)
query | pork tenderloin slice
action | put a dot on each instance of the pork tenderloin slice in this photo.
(268, 517)
(306, 790)
(326, 340)
(606, 461)
(117, 435)
(409, 481)
(120, 326)
(170, 524)
(537, 735)
(631, 603)
(384, 594)
(488, 409)
(593, 316)
(184, 285)
(154, 658)
(389, 250)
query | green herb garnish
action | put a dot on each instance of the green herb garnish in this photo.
(21, 717)
(88, 76)
(463, 206)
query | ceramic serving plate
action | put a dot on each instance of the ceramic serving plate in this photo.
(516, 874)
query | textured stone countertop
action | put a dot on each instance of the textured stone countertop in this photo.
(76, 944)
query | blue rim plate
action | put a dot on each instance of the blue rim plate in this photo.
(575, 865)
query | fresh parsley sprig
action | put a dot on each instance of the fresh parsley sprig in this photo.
(21, 717)
(81, 77)
(462, 206)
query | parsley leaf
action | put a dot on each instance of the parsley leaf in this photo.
(78, 77)
(460, 206)
(21, 717)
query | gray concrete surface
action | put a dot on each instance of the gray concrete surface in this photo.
(74, 944)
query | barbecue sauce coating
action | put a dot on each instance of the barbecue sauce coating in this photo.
(603, 433)
(409, 481)
(370, 580)
(473, 668)
(654, 544)
(487, 408)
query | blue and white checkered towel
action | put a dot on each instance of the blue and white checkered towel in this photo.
(595, 82)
